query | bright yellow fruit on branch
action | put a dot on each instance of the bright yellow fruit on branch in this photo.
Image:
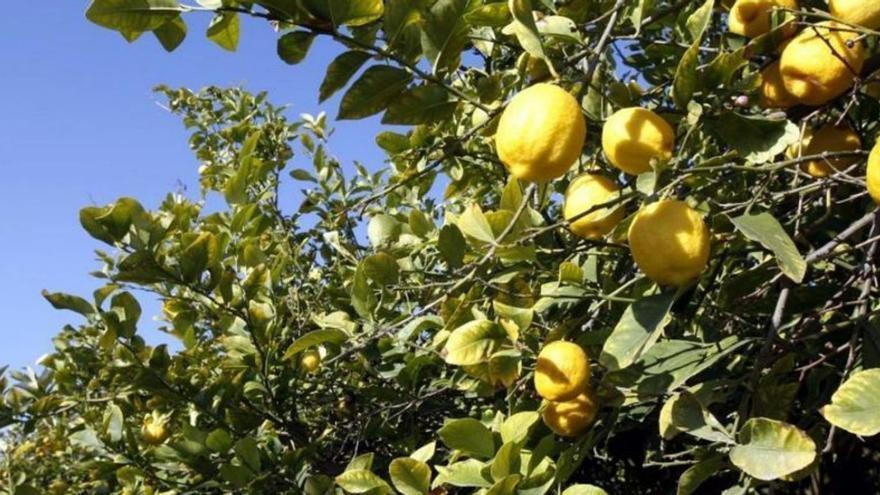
(584, 193)
(751, 18)
(873, 174)
(310, 361)
(633, 136)
(670, 242)
(861, 12)
(828, 138)
(773, 92)
(154, 430)
(562, 371)
(818, 65)
(541, 133)
(570, 418)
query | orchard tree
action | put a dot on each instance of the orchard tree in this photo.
(624, 247)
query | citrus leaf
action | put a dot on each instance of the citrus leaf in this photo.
(516, 427)
(469, 436)
(315, 338)
(377, 87)
(59, 300)
(451, 245)
(473, 223)
(132, 16)
(293, 47)
(584, 490)
(464, 474)
(225, 31)
(340, 71)
(855, 406)
(361, 481)
(770, 449)
(637, 330)
(382, 268)
(171, 34)
(765, 229)
(420, 105)
(474, 342)
(409, 476)
(695, 475)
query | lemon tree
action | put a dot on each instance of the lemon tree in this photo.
(616, 246)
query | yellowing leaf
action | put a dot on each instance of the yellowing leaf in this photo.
(855, 406)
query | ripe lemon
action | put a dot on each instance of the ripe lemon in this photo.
(154, 430)
(818, 66)
(541, 133)
(670, 242)
(570, 418)
(310, 361)
(751, 18)
(873, 175)
(861, 12)
(584, 193)
(828, 138)
(773, 92)
(562, 371)
(633, 136)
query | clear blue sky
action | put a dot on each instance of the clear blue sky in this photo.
(79, 125)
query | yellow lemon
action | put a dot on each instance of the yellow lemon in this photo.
(310, 361)
(861, 12)
(818, 66)
(751, 18)
(873, 175)
(570, 418)
(828, 138)
(773, 92)
(584, 193)
(670, 242)
(154, 430)
(541, 133)
(633, 136)
(562, 371)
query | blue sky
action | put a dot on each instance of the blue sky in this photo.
(79, 125)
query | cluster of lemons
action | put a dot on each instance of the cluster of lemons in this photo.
(542, 131)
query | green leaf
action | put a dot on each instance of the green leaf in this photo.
(516, 428)
(392, 142)
(464, 474)
(248, 451)
(451, 245)
(765, 229)
(695, 475)
(584, 490)
(132, 16)
(522, 317)
(769, 449)
(699, 21)
(409, 476)
(315, 338)
(684, 413)
(855, 406)
(363, 461)
(469, 436)
(294, 46)
(473, 223)
(506, 462)
(492, 15)
(758, 139)
(225, 30)
(425, 452)
(59, 300)
(219, 441)
(424, 104)
(445, 33)
(340, 71)
(355, 12)
(383, 230)
(201, 253)
(474, 342)
(420, 224)
(638, 329)
(685, 83)
(525, 29)
(382, 268)
(140, 267)
(171, 34)
(362, 297)
(507, 486)
(239, 476)
(361, 481)
(113, 423)
(377, 87)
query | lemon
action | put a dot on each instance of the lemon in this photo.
(540, 133)
(861, 12)
(828, 138)
(562, 371)
(751, 18)
(584, 193)
(818, 66)
(633, 136)
(873, 175)
(310, 361)
(570, 418)
(773, 92)
(154, 430)
(669, 242)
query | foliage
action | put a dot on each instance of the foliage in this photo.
(428, 326)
